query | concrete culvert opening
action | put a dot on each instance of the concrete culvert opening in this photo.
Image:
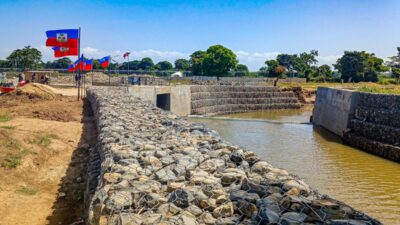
(164, 101)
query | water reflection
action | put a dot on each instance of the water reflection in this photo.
(365, 181)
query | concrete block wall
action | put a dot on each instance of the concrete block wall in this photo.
(215, 99)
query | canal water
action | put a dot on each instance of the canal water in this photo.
(286, 140)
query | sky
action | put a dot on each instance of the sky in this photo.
(166, 30)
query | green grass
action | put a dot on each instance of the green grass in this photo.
(5, 118)
(27, 191)
(45, 140)
(11, 162)
(8, 127)
(12, 144)
(380, 90)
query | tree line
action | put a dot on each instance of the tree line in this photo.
(217, 60)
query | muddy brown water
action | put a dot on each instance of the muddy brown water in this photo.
(285, 139)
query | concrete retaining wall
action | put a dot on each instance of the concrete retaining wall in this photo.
(152, 167)
(367, 121)
(333, 109)
(213, 100)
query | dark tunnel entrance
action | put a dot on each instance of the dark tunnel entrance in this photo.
(164, 101)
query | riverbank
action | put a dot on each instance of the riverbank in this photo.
(157, 167)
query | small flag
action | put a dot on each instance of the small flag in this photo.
(64, 51)
(89, 65)
(105, 61)
(126, 54)
(63, 38)
(71, 68)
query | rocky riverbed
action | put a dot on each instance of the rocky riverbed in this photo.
(152, 167)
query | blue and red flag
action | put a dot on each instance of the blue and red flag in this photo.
(105, 61)
(89, 65)
(64, 51)
(63, 38)
(76, 65)
(71, 68)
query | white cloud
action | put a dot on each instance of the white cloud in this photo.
(255, 60)
(328, 59)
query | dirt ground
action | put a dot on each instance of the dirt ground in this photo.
(43, 153)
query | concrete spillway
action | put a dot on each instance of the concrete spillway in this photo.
(216, 99)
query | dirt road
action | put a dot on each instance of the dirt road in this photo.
(43, 152)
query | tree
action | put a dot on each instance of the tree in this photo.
(62, 63)
(146, 64)
(359, 66)
(133, 65)
(26, 58)
(301, 64)
(163, 66)
(394, 64)
(218, 61)
(182, 64)
(271, 67)
(241, 70)
(4, 64)
(196, 60)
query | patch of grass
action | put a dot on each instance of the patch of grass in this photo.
(8, 127)
(27, 191)
(5, 118)
(45, 140)
(12, 144)
(380, 90)
(11, 161)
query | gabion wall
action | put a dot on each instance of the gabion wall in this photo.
(375, 126)
(215, 99)
(152, 167)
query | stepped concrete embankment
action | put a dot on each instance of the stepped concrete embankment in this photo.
(153, 167)
(216, 100)
(186, 100)
(364, 120)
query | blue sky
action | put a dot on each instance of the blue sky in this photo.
(166, 30)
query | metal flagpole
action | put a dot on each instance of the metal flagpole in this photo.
(79, 66)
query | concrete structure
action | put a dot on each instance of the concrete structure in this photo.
(186, 100)
(333, 109)
(173, 98)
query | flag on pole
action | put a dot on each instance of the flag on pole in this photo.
(89, 65)
(105, 61)
(64, 51)
(126, 54)
(63, 38)
(71, 68)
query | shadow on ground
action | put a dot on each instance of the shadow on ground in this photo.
(69, 206)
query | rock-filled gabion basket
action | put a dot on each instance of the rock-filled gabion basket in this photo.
(152, 167)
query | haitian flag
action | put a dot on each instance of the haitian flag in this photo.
(63, 38)
(71, 68)
(105, 61)
(76, 65)
(89, 65)
(64, 51)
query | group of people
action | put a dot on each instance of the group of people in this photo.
(43, 79)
